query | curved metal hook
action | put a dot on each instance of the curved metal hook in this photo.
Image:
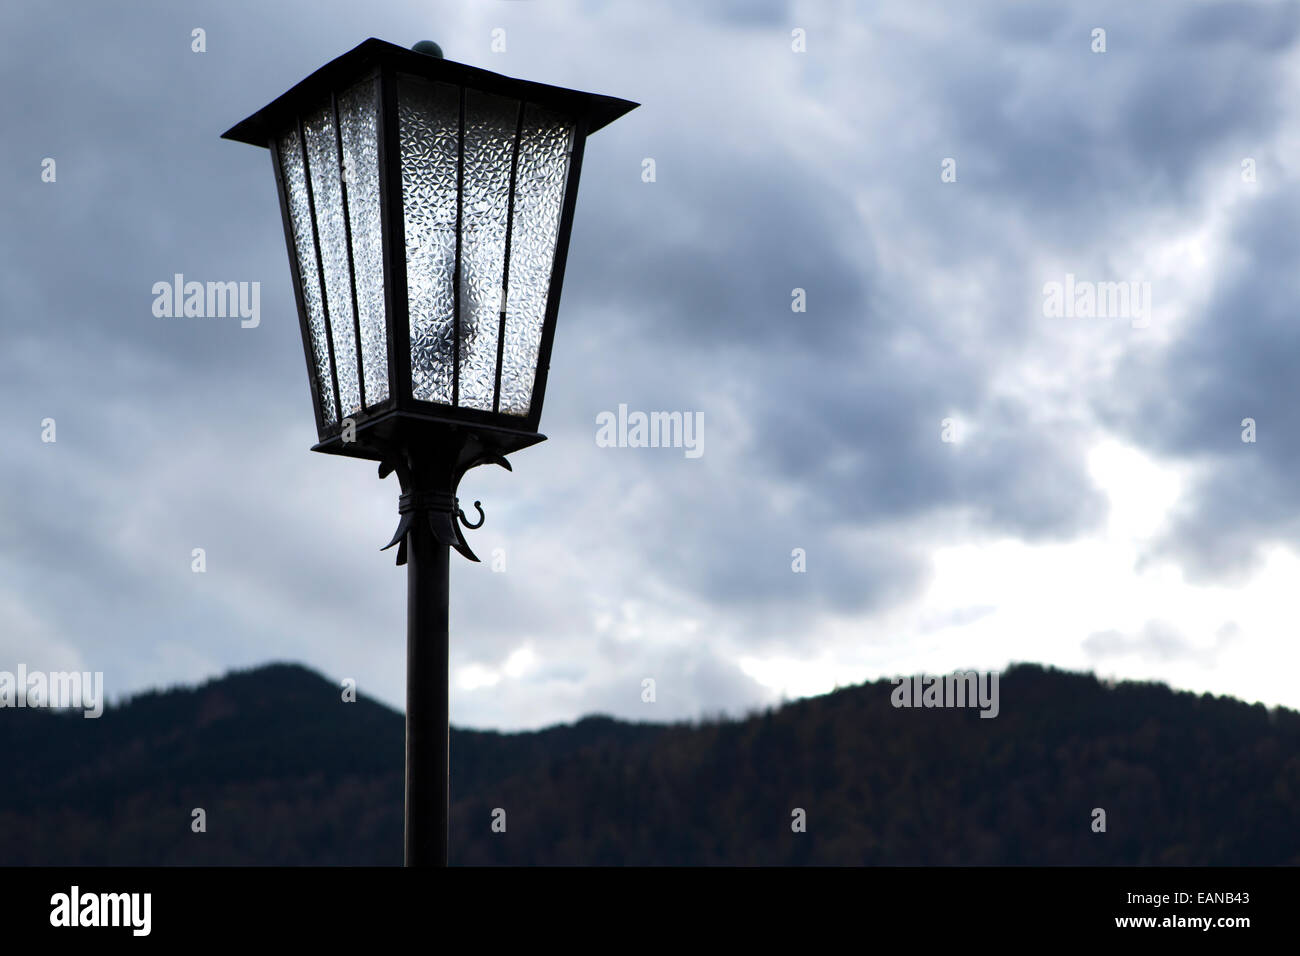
(481, 517)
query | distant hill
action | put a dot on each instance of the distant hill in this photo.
(289, 774)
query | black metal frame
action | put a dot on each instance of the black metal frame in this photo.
(402, 418)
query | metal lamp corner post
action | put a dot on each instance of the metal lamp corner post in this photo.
(427, 207)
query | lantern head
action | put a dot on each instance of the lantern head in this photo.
(427, 207)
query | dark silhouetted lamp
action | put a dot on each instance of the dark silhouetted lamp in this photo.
(427, 206)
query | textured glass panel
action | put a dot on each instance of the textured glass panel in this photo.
(327, 193)
(358, 120)
(429, 129)
(489, 146)
(544, 145)
(295, 187)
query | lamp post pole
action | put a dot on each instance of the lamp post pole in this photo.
(428, 730)
(428, 712)
(428, 502)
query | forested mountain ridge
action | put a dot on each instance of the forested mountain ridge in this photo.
(289, 774)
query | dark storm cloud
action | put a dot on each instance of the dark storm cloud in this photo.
(1085, 145)
(721, 240)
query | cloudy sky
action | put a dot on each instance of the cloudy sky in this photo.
(972, 480)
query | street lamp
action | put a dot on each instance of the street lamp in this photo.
(427, 206)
